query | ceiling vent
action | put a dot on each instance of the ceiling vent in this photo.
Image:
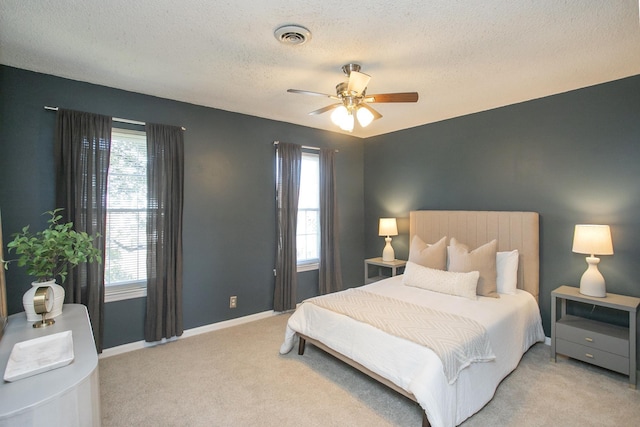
(294, 35)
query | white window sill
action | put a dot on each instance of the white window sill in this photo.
(123, 292)
(308, 267)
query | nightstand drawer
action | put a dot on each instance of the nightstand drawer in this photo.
(596, 335)
(601, 358)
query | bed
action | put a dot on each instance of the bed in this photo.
(510, 323)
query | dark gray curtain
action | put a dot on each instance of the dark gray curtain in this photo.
(288, 165)
(82, 148)
(165, 172)
(330, 274)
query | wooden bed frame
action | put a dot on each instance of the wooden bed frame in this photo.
(512, 230)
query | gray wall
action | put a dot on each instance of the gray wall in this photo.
(229, 232)
(573, 157)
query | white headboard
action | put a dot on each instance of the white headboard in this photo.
(512, 230)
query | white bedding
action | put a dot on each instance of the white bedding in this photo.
(512, 323)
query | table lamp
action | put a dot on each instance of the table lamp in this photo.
(592, 240)
(388, 227)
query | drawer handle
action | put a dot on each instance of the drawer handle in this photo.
(588, 339)
(590, 356)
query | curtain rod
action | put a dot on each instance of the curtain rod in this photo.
(307, 147)
(115, 119)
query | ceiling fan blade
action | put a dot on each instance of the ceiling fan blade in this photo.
(325, 109)
(376, 115)
(358, 82)
(308, 92)
(393, 97)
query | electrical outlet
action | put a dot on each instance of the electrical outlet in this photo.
(233, 302)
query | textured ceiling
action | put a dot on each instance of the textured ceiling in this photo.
(461, 56)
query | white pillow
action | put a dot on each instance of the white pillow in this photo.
(445, 282)
(507, 271)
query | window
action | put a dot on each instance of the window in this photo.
(308, 232)
(126, 229)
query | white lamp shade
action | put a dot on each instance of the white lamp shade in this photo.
(365, 117)
(338, 115)
(592, 239)
(388, 227)
(342, 118)
(347, 123)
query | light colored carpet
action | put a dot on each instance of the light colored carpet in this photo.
(235, 377)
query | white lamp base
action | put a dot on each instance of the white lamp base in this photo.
(592, 281)
(388, 253)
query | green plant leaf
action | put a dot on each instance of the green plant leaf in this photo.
(49, 253)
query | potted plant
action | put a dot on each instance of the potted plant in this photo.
(49, 254)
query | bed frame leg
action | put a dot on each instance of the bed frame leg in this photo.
(301, 345)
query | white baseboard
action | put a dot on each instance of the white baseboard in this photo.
(138, 345)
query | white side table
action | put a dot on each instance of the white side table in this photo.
(379, 266)
(64, 397)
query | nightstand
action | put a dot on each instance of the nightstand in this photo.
(379, 266)
(599, 343)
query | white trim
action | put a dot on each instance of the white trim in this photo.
(125, 348)
(228, 323)
(119, 293)
(308, 266)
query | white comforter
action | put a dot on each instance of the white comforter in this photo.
(512, 322)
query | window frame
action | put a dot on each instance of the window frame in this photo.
(312, 263)
(129, 289)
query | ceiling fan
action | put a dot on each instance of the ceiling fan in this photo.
(353, 99)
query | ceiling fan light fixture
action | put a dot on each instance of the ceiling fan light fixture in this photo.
(343, 118)
(353, 101)
(338, 115)
(365, 117)
(348, 122)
